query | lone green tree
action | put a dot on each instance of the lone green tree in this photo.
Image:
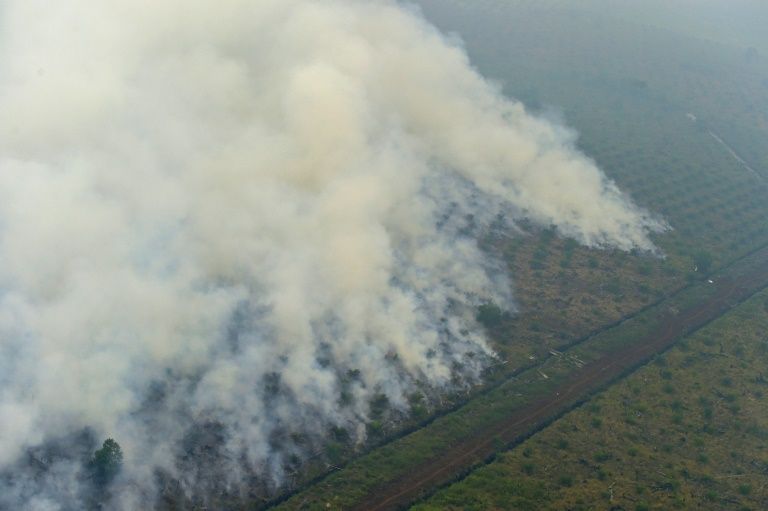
(106, 462)
(490, 315)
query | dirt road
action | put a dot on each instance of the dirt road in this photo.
(737, 284)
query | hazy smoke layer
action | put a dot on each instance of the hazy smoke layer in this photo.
(212, 212)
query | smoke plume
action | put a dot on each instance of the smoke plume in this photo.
(256, 215)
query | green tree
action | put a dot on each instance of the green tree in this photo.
(106, 462)
(490, 315)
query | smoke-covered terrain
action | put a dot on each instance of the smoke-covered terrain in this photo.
(246, 220)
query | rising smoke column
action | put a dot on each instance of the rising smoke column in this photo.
(211, 212)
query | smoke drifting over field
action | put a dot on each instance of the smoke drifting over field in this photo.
(256, 215)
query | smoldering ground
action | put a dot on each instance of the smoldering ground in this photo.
(217, 218)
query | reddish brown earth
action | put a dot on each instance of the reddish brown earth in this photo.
(738, 283)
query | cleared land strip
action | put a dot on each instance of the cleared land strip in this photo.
(401, 472)
(582, 382)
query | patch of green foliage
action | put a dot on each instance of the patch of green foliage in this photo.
(106, 463)
(707, 461)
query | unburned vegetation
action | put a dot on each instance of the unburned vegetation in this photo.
(687, 431)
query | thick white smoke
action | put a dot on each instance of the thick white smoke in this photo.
(210, 212)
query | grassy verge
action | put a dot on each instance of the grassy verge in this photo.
(688, 431)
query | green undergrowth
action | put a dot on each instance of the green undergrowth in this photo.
(349, 485)
(687, 431)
